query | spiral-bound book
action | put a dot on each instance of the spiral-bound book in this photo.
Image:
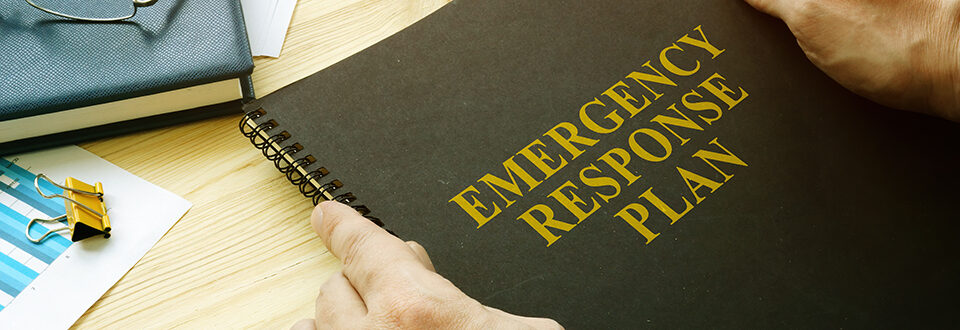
(614, 164)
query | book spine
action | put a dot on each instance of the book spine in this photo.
(277, 147)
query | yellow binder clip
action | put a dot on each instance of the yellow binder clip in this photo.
(86, 214)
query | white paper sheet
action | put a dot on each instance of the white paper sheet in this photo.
(267, 22)
(140, 214)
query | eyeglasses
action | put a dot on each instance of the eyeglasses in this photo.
(91, 11)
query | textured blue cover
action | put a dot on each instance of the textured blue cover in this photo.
(49, 64)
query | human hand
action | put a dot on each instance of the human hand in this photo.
(903, 54)
(388, 283)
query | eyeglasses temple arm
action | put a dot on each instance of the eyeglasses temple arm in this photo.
(143, 3)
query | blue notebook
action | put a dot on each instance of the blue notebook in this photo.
(65, 81)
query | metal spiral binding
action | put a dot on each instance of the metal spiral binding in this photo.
(286, 151)
(295, 169)
(297, 179)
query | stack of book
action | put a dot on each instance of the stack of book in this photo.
(65, 81)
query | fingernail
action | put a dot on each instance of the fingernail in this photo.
(316, 218)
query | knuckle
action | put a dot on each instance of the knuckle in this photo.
(412, 308)
(809, 8)
(356, 243)
(416, 311)
(322, 306)
(409, 311)
(811, 14)
(331, 221)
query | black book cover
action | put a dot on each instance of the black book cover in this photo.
(716, 178)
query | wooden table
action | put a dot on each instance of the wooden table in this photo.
(244, 255)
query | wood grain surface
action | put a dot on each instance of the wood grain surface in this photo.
(244, 256)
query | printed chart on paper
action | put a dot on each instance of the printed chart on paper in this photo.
(21, 260)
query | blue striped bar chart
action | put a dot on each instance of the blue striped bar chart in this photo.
(21, 261)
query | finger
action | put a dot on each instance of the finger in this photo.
(533, 322)
(783, 9)
(338, 304)
(372, 258)
(304, 324)
(539, 322)
(421, 254)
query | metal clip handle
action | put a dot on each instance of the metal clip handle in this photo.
(59, 219)
(36, 184)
